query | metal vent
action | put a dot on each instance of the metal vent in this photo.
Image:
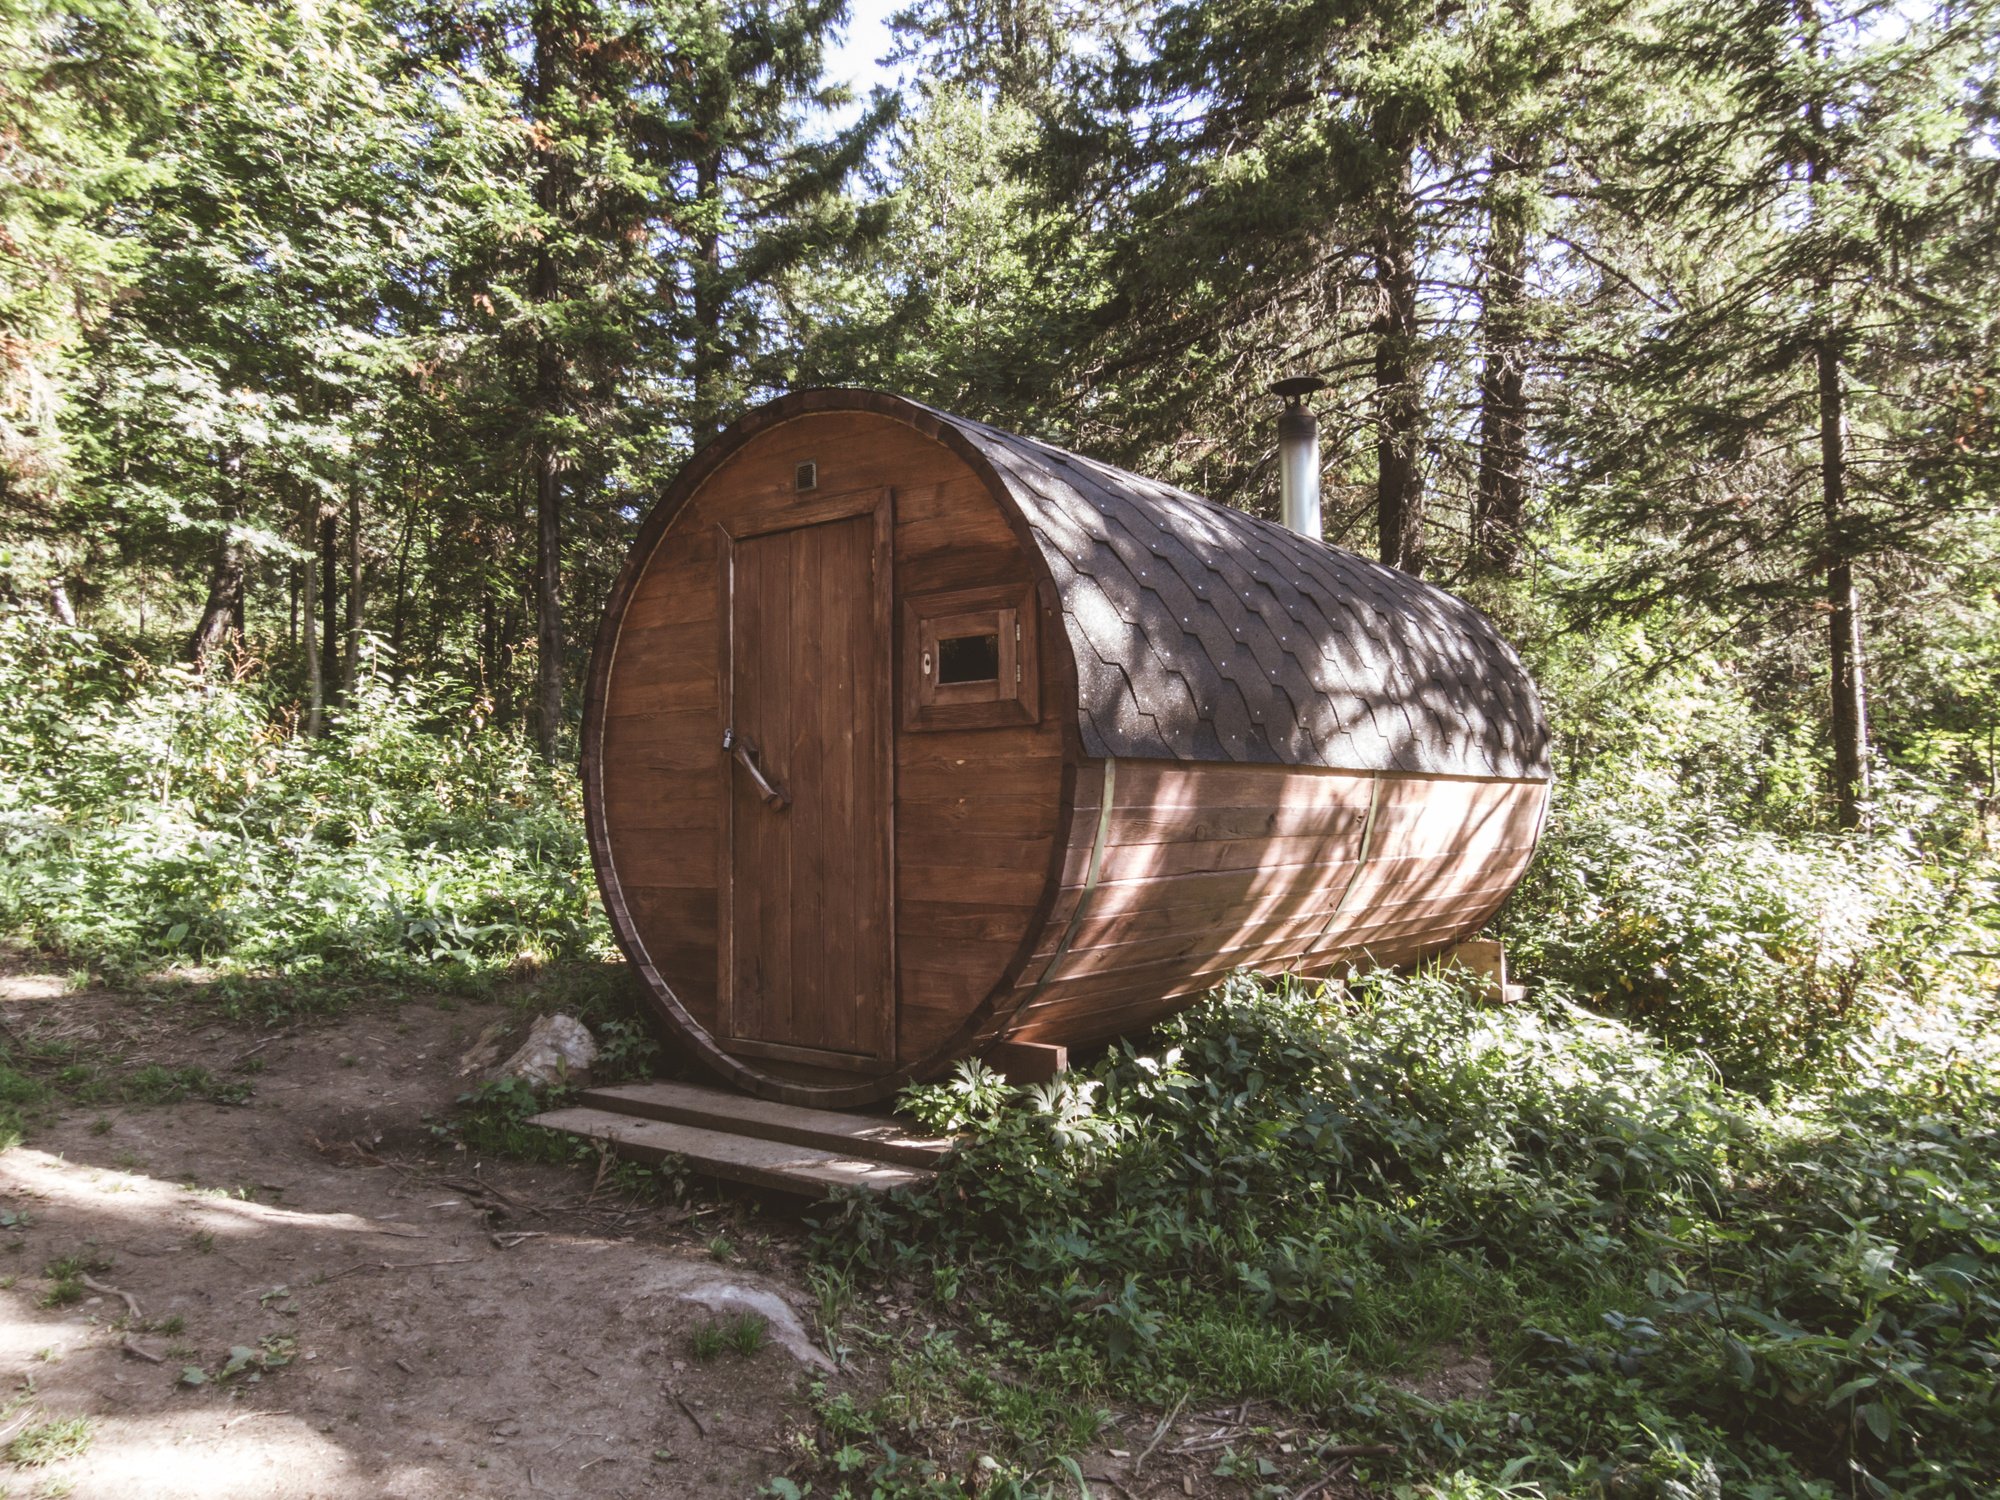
(806, 477)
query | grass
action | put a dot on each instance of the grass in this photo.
(742, 1333)
(745, 1333)
(50, 1442)
(158, 1084)
(1299, 1196)
(66, 1275)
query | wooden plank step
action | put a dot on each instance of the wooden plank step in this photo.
(876, 1137)
(781, 1165)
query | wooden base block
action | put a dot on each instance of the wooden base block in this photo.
(729, 1135)
(779, 1165)
(1027, 1062)
(1486, 960)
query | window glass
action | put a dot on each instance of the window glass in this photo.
(968, 658)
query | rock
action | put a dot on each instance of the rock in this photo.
(733, 1290)
(485, 1052)
(558, 1050)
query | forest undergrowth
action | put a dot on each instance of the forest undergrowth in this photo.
(1716, 1213)
(153, 815)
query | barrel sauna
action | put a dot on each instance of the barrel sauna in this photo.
(905, 736)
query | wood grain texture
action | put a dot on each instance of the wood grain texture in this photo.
(807, 961)
(973, 815)
(1013, 904)
(1206, 869)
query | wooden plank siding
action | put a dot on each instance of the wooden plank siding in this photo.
(975, 813)
(1206, 869)
(1196, 790)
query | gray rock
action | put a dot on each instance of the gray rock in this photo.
(559, 1049)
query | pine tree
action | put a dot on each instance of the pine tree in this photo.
(80, 83)
(1764, 417)
(757, 197)
(229, 388)
(1285, 190)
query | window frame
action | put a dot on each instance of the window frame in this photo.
(1012, 698)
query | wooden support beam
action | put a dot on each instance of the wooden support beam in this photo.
(1486, 960)
(1027, 1062)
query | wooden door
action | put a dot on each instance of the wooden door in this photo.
(806, 957)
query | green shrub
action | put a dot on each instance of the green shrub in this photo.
(1765, 951)
(150, 815)
(1302, 1190)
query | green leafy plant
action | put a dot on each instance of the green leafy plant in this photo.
(1298, 1190)
(151, 815)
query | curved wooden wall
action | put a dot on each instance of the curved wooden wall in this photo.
(976, 812)
(1037, 892)
(1201, 870)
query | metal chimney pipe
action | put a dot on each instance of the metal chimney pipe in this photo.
(1298, 457)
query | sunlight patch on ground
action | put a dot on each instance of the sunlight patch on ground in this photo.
(206, 1454)
(29, 1176)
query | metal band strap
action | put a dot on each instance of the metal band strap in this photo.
(1089, 879)
(1367, 848)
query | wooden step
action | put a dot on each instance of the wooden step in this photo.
(877, 1137)
(780, 1165)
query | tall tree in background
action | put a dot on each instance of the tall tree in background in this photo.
(1773, 415)
(224, 391)
(969, 296)
(598, 161)
(541, 353)
(1015, 51)
(80, 85)
(756, 196)
(1285, 190)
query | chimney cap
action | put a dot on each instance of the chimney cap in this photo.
(1296, 387)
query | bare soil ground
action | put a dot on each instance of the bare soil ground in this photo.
(406, 1322)
(431, 1351)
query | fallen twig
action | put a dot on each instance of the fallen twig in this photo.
(699, 1425)
(1360, 1450)
(250, 1052)
(131, 1302)
(248, 1415)
(400, 1265)
(1166, 1425)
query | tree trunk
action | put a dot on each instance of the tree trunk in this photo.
(220, 615)
(1501, 496)
(548, 609)
(399, 612)
(551, 390)
(309, 626)
(709, 361)
(350, 664)
(1399, 413)
(1850, 699)
(59, 605)
(506, 638)
(329, 601)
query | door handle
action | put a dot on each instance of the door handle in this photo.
(746, 752)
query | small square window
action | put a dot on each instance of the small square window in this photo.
(970, 659)
(963, 659)
(806, 477)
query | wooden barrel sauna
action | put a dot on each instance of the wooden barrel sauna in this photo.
(905, 736)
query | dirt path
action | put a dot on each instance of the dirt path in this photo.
(430, 1351)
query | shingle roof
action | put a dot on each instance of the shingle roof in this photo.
(1202, 633)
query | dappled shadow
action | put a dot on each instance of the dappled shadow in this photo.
(451, 1327)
